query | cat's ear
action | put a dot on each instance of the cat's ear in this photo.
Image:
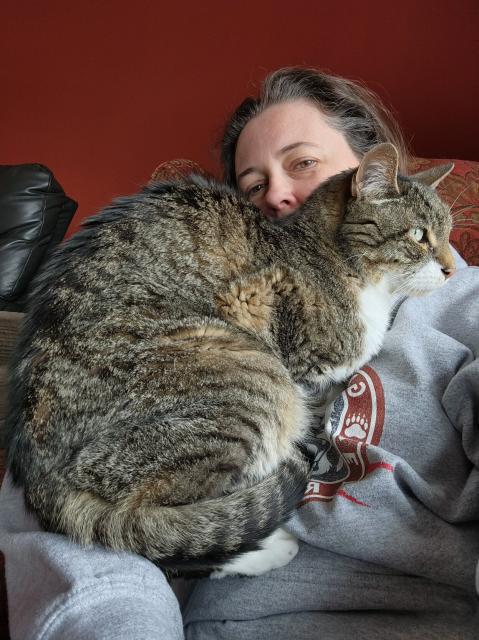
(432, 177)
(376, 176)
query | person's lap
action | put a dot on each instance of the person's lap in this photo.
(313, 625)
(325, 595)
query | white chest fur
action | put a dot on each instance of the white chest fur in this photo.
(375, 305)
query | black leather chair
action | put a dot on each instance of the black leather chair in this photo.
(34, 215)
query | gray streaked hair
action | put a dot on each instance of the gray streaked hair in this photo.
(349, 107)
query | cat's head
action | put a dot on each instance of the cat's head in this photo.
(397, 225)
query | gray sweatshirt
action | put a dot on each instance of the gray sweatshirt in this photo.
(389, 524)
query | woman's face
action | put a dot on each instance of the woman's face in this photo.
(285, 152)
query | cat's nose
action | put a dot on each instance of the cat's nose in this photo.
(446, 261)
(448, 272)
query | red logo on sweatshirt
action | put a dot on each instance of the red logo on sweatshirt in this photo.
(341, 448)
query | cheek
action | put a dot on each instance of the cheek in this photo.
(263, 207)
(428, 278)
(305, 188)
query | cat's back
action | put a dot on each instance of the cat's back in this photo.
(146, 266)
(164, 218)
(170, 243)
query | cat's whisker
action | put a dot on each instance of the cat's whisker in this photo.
(400, 282)
(466, 219)
(465, 225)
(460, 194)
(460, 209)
(404, 287)
(355, 256)
(461, 217)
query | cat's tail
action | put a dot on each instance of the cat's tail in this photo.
(198, 536)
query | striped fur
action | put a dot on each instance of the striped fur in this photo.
(158, 397)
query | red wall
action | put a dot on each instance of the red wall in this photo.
(103, 91)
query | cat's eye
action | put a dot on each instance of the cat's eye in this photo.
(419, 234)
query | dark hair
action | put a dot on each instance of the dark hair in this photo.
(349, 107)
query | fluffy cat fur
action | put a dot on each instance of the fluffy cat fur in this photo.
(160, 387)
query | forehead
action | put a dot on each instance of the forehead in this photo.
(279, 126)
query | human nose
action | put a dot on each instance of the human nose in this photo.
(279, 198)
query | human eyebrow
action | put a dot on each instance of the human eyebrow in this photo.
(295, 145)
(246, 172)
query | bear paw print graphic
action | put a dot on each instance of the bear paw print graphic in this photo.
(356, 427)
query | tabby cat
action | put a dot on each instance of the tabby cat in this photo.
(161, 386)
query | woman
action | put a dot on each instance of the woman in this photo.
(394, 552)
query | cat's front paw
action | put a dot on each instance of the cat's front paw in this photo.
(278, 549)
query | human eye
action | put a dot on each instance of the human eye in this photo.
(255, 190)
(304, 163)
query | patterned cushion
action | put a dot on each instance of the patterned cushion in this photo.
(177, 170)
(460, 190)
